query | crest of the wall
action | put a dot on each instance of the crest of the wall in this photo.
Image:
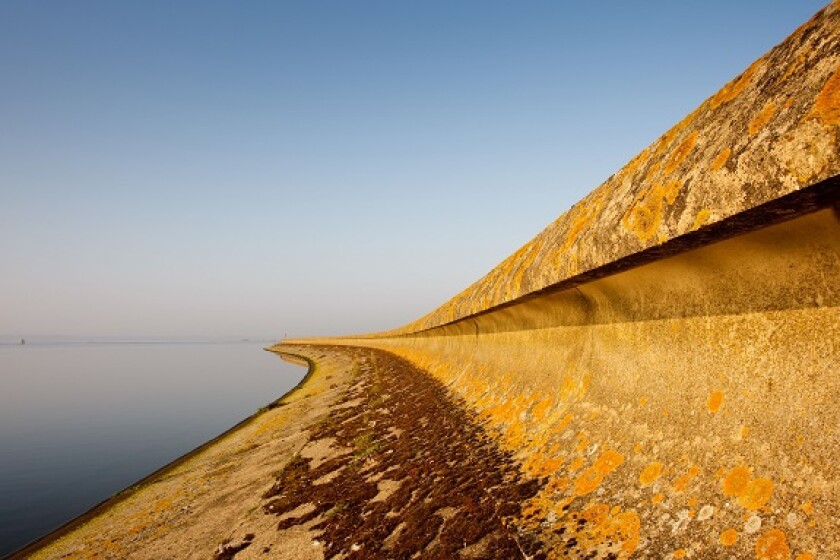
(772, 131)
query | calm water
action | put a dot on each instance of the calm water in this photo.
(79, 422)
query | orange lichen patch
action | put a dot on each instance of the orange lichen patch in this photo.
(701, 218)
(692, 501)
(650, 473)
(757, 493)
(680, 553)
(762, 118)
(539, 465)
(805, 556)
(557, 484)
(576, 464)
(807, 508)
(670, 190)
(598, 525)
(681, 483)
(734, 88)
(745, 431)
(591, 478)
(826, 107)
(652, 171)
(736, 481)
(772, 545)
(643, 400)
(680, 153)
(541, 408)
(729, 537)
(644, 216)
(794, 66)
(631, 167)
(714, 402)
(657, 498)
(721, 159)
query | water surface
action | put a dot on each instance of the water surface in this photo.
(81, 421)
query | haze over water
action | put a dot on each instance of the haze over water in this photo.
(80, 421)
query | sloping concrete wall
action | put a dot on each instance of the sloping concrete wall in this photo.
(664, 356)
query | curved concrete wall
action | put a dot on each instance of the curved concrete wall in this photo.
(664, 356)
(690, 398)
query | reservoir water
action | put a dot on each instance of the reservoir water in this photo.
(80, 421)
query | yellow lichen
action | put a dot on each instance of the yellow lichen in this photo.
(600, 524)
(644, 216)
(757, 493)
(680, 153)
(826, 107)
(734, 88)
(772, 545)
(682, 482)
(650, 473)
(721, 159)
(794, 66)
(805, 556)
(736, 481)
(680, 553)
(762, 118)
(591, 478)
(657, 498)
(714, 402)
(728, 537)
(701, 218)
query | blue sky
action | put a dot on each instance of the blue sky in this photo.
(257, 169)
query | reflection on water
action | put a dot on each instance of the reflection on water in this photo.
(79, 422)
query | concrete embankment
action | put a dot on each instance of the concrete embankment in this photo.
(664, 357)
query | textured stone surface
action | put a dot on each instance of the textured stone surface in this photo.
(770, 131)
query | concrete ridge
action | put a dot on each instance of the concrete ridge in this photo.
(771, 131)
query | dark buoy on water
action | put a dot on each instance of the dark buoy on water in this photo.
(22, 341)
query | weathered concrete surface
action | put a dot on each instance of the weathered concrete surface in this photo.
(674, 406)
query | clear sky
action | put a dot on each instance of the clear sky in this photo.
(256, 169)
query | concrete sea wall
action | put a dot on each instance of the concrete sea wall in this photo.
(664, 356)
